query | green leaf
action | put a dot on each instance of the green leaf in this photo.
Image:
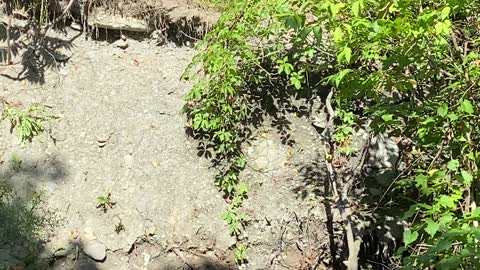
(338, 34)
(453, 165)
(475, 213)
(409, 237)
(339, 76)
(421, 181)
(317, 31)
(446, 219)
(335, 8)
(432, 227)
(467, 177)
(411, 211)
(356, 8)
(466, 106)
(446, 201)
(442, 110)
(291, 22)
(242, 188)
(445, 13)
(442, 245)
(296, 82)
(345, 53)
(442, 27)
(387, 117)
(453, 117)
(448, 263)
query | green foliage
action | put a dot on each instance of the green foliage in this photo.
(409, 68)
(241, 252)
(27, 122)
(104, 202)
(343, 132)
(22, 223)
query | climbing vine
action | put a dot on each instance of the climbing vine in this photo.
(408, 68)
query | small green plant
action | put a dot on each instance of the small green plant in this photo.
(27, 122)
(104, 202)
(241, 252)
(343, 132)
(15, 163)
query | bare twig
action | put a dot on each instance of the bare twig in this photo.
(353, 244)
(9, 25)
(55, 21)
(59, 18)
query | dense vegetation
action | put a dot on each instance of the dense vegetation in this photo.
(409, 69)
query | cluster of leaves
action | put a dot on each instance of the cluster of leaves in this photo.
(28, 122)
(409, 68)
(104, 202)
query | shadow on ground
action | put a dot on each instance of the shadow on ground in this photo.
(35, 54)
(25, 223)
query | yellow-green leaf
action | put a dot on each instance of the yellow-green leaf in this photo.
(445, 12)
(467, 106)
(442, 110)
(338, 34)
(409, 237)
(432, 227)
(467, 177)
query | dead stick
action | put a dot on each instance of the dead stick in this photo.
(9, 48)
(56, 20)
(353, 244)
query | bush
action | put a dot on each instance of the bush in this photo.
(409, 68)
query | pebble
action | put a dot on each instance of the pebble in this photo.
(76, 26)
(122, 44)
(51, 186)
(95, 250)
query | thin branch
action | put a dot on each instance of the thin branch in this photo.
(353, 244)
(55, 21)
(9, 25)
(59, 18)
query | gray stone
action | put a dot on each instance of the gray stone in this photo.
(103, 19)
(51, 186)
(383, 152)
(95, 250)
(122, 44)
(76, 26)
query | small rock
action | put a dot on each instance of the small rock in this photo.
(76, 26)
(122, 44)
(51, 186)
(95, 250)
